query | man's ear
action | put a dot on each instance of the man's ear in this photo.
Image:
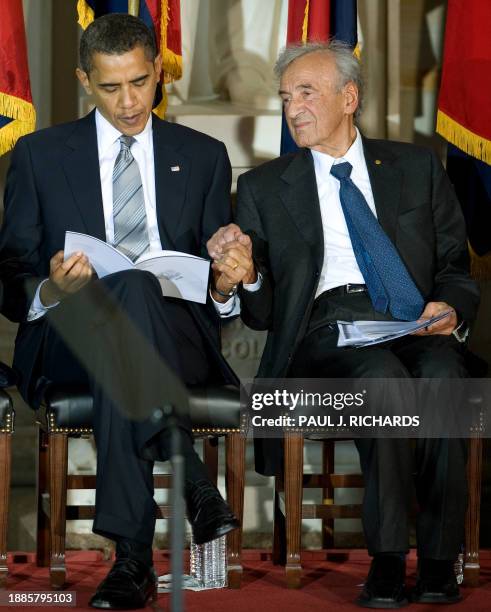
(351, 97)
(83, 77)
(157, 64)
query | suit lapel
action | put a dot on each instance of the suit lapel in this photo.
(300, 197)
(81, 167)
(172, 170)
(386, 183)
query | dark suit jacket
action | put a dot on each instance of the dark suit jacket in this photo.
(278, 205)
(53, 185)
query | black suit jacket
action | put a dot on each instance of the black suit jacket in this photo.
(278, 205)
(53, 185)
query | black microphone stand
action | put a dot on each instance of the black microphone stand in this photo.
(177, 508)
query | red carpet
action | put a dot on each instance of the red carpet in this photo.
(331, 582)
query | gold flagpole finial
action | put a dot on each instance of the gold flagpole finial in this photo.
(134, 7)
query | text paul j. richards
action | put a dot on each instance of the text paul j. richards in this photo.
(327, 420)
(285, 400)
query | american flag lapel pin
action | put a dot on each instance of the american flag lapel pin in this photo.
(175, 168)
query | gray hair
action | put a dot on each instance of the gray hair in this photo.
(347, 64)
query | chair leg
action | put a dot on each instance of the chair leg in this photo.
(210, 457)
(42, 539)
(279, 525)
(5, 463)
(474, 470)
(293, 508)
(327, 491)
(58, 467)
(235, 468)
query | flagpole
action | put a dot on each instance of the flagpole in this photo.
(134, 7)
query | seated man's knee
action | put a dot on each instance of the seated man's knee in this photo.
(132, 281)
(381, 364)
(443, 363)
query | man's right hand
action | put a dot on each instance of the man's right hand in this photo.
(223, 235)
(65, 277)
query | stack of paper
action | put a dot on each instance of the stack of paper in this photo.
(363, 333)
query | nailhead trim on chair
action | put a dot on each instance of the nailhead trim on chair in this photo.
(52, 428)
(9, 424)
(216, 431)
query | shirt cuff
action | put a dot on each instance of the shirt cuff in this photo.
(38, 309)
(252, 287)
(226, 309)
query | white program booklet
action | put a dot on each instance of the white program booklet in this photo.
(181, 275)
(364, 333)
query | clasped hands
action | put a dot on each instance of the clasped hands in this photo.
(231, 252)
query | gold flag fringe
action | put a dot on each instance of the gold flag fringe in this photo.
(171, 62)
(464, 139)
(305, 25)
(171, 65)
(85, 14)
(24, 120)
(16, 108)
(11, 132)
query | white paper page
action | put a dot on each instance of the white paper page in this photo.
(180, 275)
(104, 258)
(154, 254)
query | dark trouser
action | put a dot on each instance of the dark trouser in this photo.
(391, 467)
(118, 334)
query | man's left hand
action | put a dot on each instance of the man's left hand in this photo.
(443, 327)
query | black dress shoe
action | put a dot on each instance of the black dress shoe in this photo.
(209, 515)
(128, 586)
(436, 582)
(384, 587)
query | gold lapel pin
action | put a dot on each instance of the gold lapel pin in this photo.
(378, 162)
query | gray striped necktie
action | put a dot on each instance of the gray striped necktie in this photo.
(130, 219)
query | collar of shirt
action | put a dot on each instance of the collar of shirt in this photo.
(323, 162)
(107, 137)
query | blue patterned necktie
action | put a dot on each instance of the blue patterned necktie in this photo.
(386, 277)
(130, 218)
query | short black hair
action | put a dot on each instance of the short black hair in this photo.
(115, 34)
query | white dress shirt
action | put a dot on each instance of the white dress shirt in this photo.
(339, 266)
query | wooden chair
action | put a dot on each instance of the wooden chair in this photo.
(215, 411)
(288, 522)
(6, 431)
(7, 379)
(472, 567)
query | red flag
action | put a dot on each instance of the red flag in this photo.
(17, 114)
(465, 91)
(308, 20)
